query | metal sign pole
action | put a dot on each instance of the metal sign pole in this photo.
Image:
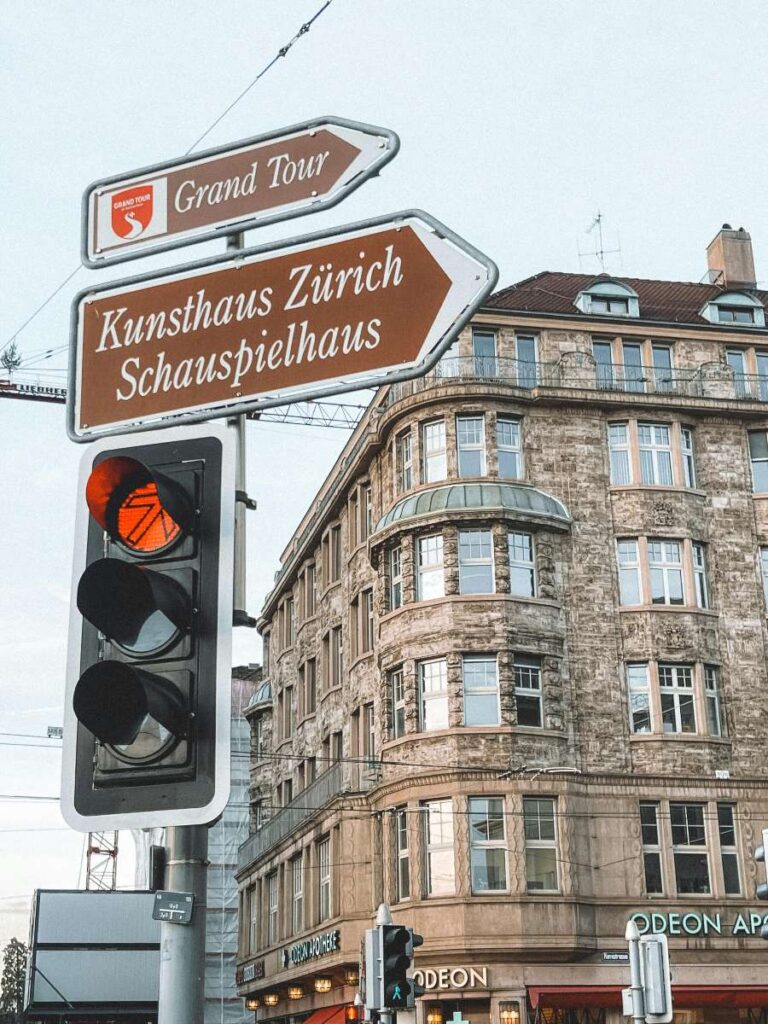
(181, 997)
(182, 947)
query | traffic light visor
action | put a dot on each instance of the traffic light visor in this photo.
(139, 713)
(145, 512)
(141, 610)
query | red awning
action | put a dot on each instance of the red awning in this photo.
(684, 997)
(328, 1015)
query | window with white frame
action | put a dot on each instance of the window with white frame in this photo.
(254, 919)
(729, 855)
(522, 569)
(481, 689)
(739, 309)
(470, 444)
(528, 696)
(395, 578)
(509, 448)
(764, 572)
(430, 580)
(665, 567)
(273, 911)
(540, 831)
(527, 370)
(689, 849)
(366, 512)
(602, 352)
(324, 878)
(700, 574)
(758, 454)
(336, 657)
(484, 353)
(403, 865)
(288, 717)
(439, 868)
(686, 456)
(476, 562)
(678, 712)
(369, 736)
(715, 721)
(297, 894)
(639, 692)
(651, 837)
(433, 695)
(258, 745)
(488, 844)
(433, 452)
(655, 449)
(618, 446)
(367, 630)
(630, 586)
(404, 460)
(398, 702)
(608, 298)
(310, 686)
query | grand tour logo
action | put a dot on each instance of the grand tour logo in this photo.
(132, 210)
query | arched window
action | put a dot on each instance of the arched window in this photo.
(737, 309)
(608, 297)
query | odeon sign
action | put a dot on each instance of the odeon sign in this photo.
(440, 978)
(699, 923)
(318, 945)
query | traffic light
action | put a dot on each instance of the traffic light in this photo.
(396, 946)
(762, 888)
(146, 737)
(657, 979)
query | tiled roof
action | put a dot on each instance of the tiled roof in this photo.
(555, 292)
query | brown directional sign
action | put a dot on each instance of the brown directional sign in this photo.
(270, 177)
(323, 314)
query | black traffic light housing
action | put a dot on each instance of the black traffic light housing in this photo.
(396, 946)
(146, 738)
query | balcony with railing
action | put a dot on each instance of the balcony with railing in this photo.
(306, 804)
(579, 371)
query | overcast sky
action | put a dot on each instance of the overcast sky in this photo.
(518, 121)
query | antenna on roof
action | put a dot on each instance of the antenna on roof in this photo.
(599, 252)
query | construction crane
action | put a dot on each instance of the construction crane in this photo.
(341, 415)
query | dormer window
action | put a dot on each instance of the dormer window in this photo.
(607, 297)
(736, 309)
(608, 305)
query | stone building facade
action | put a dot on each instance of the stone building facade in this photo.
(515, 664)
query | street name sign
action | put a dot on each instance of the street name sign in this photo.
(282, 174)
(357, 307)
(175, 907)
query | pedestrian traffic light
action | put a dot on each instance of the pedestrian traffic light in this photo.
(760, 856)
(396, 946)
(656, 978)
(146, 737)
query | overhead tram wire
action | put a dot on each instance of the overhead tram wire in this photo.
(303, 30)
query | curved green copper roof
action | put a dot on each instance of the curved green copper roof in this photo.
(506, 497)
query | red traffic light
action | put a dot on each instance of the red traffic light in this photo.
(144, 511)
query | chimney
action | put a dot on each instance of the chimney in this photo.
(729, 258)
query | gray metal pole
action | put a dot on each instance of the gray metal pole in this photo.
(632, 935)
(241, 618)
(182, 946)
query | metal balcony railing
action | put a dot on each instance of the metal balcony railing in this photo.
(305, 805)
(578, 370)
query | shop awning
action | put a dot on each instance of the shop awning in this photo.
(684, 997)
(328, 1015)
